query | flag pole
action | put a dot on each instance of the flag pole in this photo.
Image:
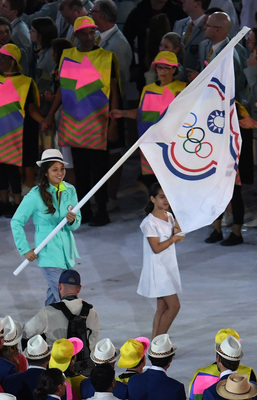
(190, 87)
(20, 268)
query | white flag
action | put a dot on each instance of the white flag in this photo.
(194, 148)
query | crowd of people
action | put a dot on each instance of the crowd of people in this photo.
(71, 82)
(51, 368)
(163, 44)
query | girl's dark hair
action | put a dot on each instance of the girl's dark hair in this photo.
(153, 191)
(43, 185)
(46, 27)
(58, 45)
(49, 381)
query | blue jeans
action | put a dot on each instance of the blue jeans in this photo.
(52, 276)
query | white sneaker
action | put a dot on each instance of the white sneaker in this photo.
(251, 224)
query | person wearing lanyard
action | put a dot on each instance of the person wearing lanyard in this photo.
(47, 204)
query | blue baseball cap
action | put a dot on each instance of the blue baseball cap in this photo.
(70, 277)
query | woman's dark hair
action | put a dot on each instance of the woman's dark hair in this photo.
(153, 191)
(58, 45)
(43, 185)
(46, 27)
(49, 381)
(5, 21)
(175, 39)
(10, 353)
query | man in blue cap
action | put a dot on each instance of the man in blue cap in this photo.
(52, 322)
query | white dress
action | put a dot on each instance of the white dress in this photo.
(160, 274)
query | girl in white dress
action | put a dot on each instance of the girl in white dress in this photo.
(160, 275)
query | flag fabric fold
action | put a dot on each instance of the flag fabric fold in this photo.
(194, 148)
(196, 202)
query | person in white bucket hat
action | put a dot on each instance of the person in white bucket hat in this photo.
(12, 338)
(206, 376)
(154, 382)
(6, 367)
(103, 353)
(22, 385)
(228, 356)
(7, 396)
(47, 204)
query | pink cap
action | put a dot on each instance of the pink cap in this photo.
(77, 343)
(145, 342)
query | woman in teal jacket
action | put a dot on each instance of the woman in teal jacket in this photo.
(47, 204)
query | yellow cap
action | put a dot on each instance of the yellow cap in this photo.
(223, 333)
(131, 353)
(61, 355)
(84, 22)
(13, 51)
(166, 57)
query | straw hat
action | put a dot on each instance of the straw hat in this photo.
(84, 22)
(131, 354)
(12, 331)
(13, 51)
(37, 348)
(166, 57)
(237, 386)
(161, 346)
(61, 355)
(223, 333)
(230, 349)
(77, 344)
(51, 155)
(104, 352)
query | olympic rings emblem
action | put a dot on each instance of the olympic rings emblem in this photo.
(195, 144)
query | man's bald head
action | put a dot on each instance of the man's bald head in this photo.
(217, 27)
(222, 19)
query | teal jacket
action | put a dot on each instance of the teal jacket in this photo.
(61, 250)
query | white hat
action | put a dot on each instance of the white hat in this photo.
(51, 155)
(230, 349)
(12, 331)
(161, 346)
(104, 352)
(1, 329)
(237, 386)
(37, 348)
(7, 396)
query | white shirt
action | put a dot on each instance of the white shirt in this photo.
(105, 34)
(227, 372)
(103, 396)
